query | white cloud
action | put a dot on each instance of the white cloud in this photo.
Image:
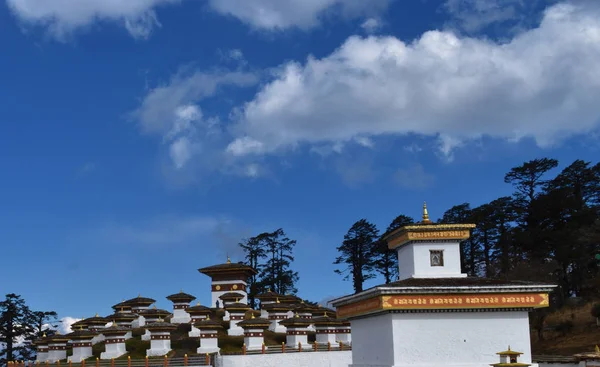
(474, 15)
(303, 14)
(62, 17)
(413, 177)
(371, 25)
(542, 84)
(171, 111)
(65, 323)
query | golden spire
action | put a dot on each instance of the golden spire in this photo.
(139, 295)
(97, 314)
(44, 335)
(277, 300)
(154, 307)
(509, 347)
(253, 317)
(237, 300)
(325, 314)
(597, 350)
(228, 260)
(296, 315)
(198, 304)
(425, 214)
(80, 327)
(181, 290)
(207, 317)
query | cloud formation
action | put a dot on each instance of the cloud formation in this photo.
(541, 84)
(63, 17)
(302, 14)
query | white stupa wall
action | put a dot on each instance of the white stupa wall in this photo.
(344, 335)
(275, 326)
(114, 347)
(80, 353)
(254, 339)
(208, 342)
(312, 359)
(295, 336)
(225, 287)
(234, 329)
(160, 344)
(326, 334)
(57, 352)
(414, 260)
(180, 315)
(465, 339)
(41, 355)
(194, 332)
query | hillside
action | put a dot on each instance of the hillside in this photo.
(570, 330)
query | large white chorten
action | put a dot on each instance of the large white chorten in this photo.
(434, 314)
(228, 277)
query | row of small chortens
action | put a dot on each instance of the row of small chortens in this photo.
(278, 313)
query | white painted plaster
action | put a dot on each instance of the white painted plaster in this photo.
(234, 329)
(113, 350)
(139, 322)
(304, 359)
(159, 347)
(98, 338)
(56, 355)
(216, 294)
(180, 316)
(80, 353)
(254, 342)
(325, 338)
(414, 260)
(194, 333)
(451, 339)
(41, 357)
(146, 336)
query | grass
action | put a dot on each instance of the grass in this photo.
(583, 337)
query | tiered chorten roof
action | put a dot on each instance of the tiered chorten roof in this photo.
(58, 338)
(43, 340)
(254, 323)
(268, 296)
(115, 329)
(296, 321)
(140, 301)
(95, 321)
(154, 312)
(199, 309)
(208, 324)
(81, 334)
(181, 297)
(231, 296)
(228, 268)
(160, 325)
(278, 307)
(122, 317)
(327, 320)
(304, 308)
(237, 307)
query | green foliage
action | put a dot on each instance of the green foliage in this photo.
(271, 254)
(19, 326)
(358, 254)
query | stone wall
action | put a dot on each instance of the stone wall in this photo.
(304, 359)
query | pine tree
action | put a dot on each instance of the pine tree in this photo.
(386, 261)
(254, 250)
(470, 249)
(358, 253)
(19, 326)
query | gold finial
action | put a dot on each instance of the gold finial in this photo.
(198, 304)
(509, 347)
(597, 350)
(296, 316)
(121, 309)
(277, 300)
(253, 317)
(268, 289)
(207, 317)
(154, 307)
(139, 295)
(160, 319)
(44, 335)
(97, 314)
(237, 300)
(228, 260)
(302, 302)
(425, 213)
(80, 327)
(181, 290)
(325, 314)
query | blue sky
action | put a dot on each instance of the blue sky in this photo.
(143, 140)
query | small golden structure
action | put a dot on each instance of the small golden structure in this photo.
(509, 358)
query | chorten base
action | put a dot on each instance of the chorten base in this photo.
(112, 354)
(204, 350)
(235, 331)
(157, 352)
